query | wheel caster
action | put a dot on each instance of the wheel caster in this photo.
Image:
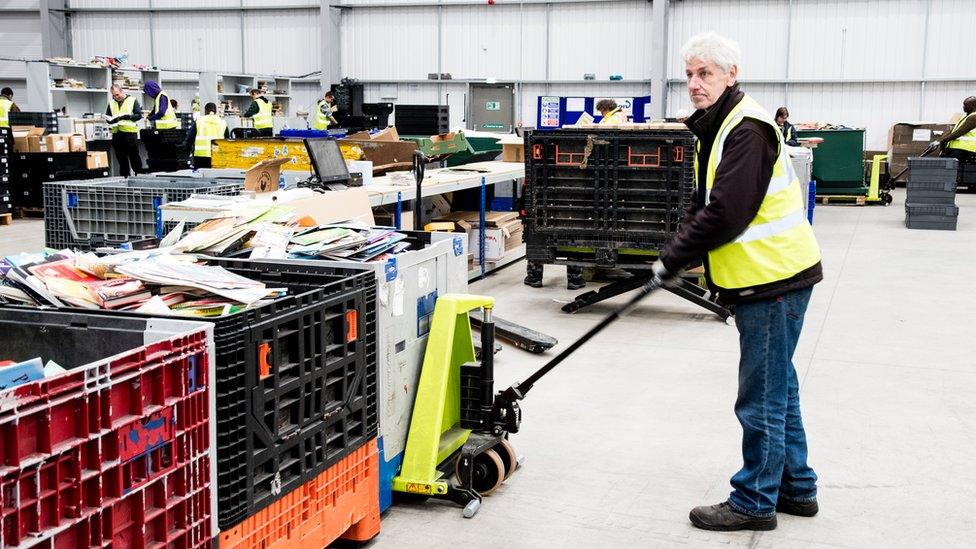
(507, 453)
(471, 509)
(487, 473)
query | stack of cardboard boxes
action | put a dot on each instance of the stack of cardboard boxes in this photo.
(908, 139)
(503, 233)
(39, 158)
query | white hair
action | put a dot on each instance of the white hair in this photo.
(711, 47)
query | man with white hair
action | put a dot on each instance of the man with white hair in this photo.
(761, 256)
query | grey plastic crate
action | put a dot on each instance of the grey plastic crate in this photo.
(931, 170)
(85, 215)
(931, 192)
(931, 216)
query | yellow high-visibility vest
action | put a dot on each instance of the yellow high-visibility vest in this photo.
(321, 120)
(5, 106)
(779, 242)
(616, 116)
(169, 120)
(965, 142)
(209, 127)
(262, 119)
(124, 109)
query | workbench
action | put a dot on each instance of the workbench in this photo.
(383, 190)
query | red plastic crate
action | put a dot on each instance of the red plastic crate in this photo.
(171, 511)
(78, 448)
(342, 502)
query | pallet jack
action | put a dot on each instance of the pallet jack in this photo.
(457, 445)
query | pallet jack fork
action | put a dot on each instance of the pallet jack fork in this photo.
(682, 288)
(457, 446)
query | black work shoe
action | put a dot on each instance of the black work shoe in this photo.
(798, 508)
(575, 284)
(723, 518)
(534, 282)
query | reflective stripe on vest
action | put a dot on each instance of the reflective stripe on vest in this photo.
(262, 119)
(209, 127)
(779, 242)
(169, 120)
(5, 105)
(125, 109)
(321, 120)
(967, 141)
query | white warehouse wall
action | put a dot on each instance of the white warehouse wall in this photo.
(852, 62)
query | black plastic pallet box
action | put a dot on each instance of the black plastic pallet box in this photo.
(296, 382)
(931, 216)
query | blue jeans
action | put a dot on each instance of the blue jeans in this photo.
(774, 446)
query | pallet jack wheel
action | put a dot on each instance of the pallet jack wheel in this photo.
(488, 473)
(507, 453)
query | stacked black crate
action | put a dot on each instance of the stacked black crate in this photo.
(31, 170)
(6, 152)
(931, 200)
(967, 174)
(165, 150)
(423, 120)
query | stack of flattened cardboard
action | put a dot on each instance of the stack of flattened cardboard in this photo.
(909, 139)
(503, 233)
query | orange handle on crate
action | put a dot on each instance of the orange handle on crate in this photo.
(264, 365)
(351, 326)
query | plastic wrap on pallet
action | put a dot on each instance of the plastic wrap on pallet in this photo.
(118, 448)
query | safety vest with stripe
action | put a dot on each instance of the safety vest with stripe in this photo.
(209, 127)
(168, 120)
(321, 120)
(616, 116)
(5, 105)
(262, 119)
(965, 142)
(779, 242)
(124, 109)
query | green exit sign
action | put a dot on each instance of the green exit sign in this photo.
(493, 106)
(492, 126)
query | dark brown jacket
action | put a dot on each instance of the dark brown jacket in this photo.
(741, 180)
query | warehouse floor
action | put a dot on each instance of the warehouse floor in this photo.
(623, 439)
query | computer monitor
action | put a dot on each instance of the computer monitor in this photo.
(327, 160)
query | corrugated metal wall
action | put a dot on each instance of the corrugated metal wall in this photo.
(802, 53)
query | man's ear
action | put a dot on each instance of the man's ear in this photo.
(732, 76)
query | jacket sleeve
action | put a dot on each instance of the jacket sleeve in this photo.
(962, 130)
(14, 107)
(163, 105)
(252, 109)
(741, 180)
(136, 111)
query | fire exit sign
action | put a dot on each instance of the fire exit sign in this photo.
(493, 106)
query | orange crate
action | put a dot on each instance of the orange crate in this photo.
(342, 502)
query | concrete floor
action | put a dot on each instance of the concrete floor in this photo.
(624, 438)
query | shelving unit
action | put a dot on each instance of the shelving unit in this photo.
(231, 89)
(44, 95)
(144, 75)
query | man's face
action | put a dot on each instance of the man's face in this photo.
(117, 94)
(707, 82)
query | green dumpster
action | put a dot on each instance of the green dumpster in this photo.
(838, 162)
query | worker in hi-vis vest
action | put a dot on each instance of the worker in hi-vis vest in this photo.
(960, 143)
(200, 135)
(122, 113)
(260, 112)
(611, 113)
(163, 113)
(322, 118)
(7, 106)
(750, 227)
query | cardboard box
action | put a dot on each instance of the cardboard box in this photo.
(22, 135)
(76, 143)
(513, 149)
(384, 154)
(494, 244)
(387, 135)
(263, 176)
(503, 233)
(909, 139)
(97, 159)
(57, 143)
(36, 144)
